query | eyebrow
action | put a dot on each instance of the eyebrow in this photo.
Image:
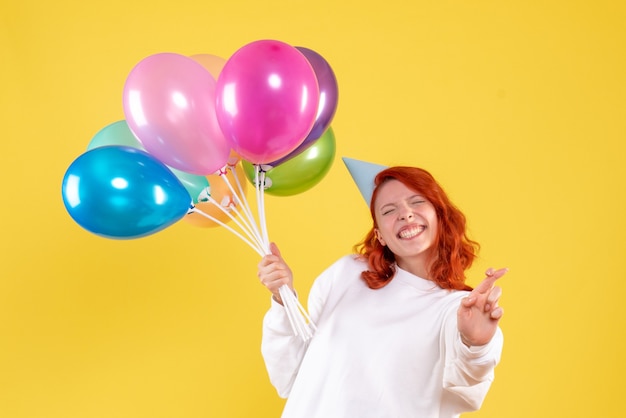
(394, 204)
(386, 205)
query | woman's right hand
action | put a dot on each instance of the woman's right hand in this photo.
(273, 273)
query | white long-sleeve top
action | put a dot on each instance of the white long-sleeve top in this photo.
(393, 352)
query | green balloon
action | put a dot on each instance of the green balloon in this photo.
(195, 184)
(118, 133)
(301, 172)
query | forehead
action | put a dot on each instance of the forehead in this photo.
(393, 190)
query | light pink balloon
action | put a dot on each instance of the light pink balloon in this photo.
(267, 98)
(169, 104)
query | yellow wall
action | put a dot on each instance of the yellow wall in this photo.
(518, 108)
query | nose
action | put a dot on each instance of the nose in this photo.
(406, 213)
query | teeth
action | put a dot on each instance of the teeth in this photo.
(410, 232)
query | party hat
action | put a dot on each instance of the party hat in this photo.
(363, 174)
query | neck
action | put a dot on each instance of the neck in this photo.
(417, 266)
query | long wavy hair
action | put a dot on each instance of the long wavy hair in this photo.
(454, 251)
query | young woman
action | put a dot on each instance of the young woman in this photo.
(399, 333)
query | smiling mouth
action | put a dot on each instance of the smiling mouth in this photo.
(411, 232)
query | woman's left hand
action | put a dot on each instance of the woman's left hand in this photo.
(479, 313)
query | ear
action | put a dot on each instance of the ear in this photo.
(379, 237)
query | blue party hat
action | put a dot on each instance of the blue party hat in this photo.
(363, 174)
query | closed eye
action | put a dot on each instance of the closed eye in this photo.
(416, 200)
(387, 209)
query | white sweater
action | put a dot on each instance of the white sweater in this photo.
(394, 352)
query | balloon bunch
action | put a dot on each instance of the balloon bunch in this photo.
(195, 129)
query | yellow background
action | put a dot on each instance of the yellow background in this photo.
(518, 108)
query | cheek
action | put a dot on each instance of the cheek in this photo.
(430, 215)
(385, 231)
(435, 226)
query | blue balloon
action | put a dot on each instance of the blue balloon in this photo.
(122, 192)
(118, 133)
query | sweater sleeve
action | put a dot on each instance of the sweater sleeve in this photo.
(469, 371)
(282, 350)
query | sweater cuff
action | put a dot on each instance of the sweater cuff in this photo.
(479, 351)
(276, 318)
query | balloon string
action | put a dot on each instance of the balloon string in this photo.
(299, 320)
(305, 314)
(258, 188)
(217, 221)
(292, 302)
(262, 209)
(241, 198)
(295, 311)
(242, 226)
(282, 291)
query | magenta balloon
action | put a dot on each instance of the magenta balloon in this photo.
(266, 100)
(169, 104)
(328, 89)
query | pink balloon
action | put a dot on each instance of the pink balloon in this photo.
(266, 100)
(169, 104)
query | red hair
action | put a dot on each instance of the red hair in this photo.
(454, 251)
